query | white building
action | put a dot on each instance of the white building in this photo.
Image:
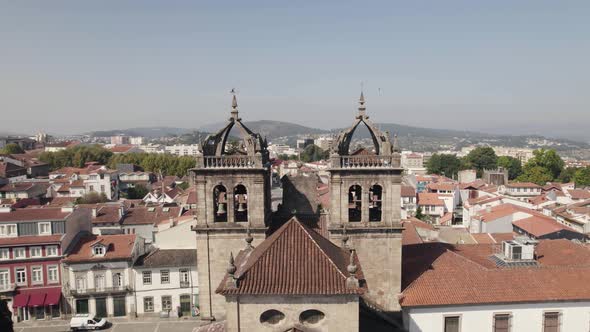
(183, 149)
(166, 281)
(98, 275)
(468, 288)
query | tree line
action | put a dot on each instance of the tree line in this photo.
(151, 162)
(545, 166)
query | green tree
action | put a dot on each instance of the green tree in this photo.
(548, 159)
(537, 174)
(481, 158)
(567, 175)
(313, 153)
(137, 192)
(419, 214)
(512, 164)
(12, 148)
(582, 177)
(444, 164)
(92, 198)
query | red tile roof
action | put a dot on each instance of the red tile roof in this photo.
(539, 226)
(37, 214)
(408, 191)
(428, 268)
(579, 194)
(437, 186)
(119, 247)
(24, 240)
(430, 199)
(148, 215)
(294, 260)
(522, 185)
(410, 235)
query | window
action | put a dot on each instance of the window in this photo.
(148, 304)
(35, 252)
(37, 275)
(501, 322)
(45, 228)
(8, 230)
(452, 323)
(21, 276)
(117, 280)
(147, 277)
(271, 317)
(18, 253)
(164, 276)
(4, 279)
(311, 317)
(102, 188)
(166, 303)
(184, 278)
(98, 250)
(551, 322)
(4, 254)
(91, 188)
(52, 274)
(51, 250)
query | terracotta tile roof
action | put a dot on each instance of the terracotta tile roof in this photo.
(107, 214)
(119, 247)
(477, 184)
(24, 186)
(503, 210)
(579, 194)
(146, 215)
(64, 188)
(294, 260)
(446, 219)
(522, 185)
(168, 258)
(419, 224)
(446, 186)
(562, 252)
(410, 234)
(539, 226)
(38, 214)
(430, 199)
(483, 238)
(192, 197)
(62, 201)
(499, 237)
(539, 200)
(121, 148)
(24, 240)
(483, 200)
(427, 269)
(408, 191)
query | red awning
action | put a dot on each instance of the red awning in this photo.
(53, 296)
(37, 299)
(20, 300)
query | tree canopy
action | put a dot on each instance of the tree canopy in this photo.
(313, 152)
(545, 166)
(582, 177)
(92, 198)
(77, 156)
(444, 164)
(512, 164)
(480, 158)
(12, 148)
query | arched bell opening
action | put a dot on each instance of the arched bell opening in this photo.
(240, 203)
(355, 203)
(375, 203)
(220, 204)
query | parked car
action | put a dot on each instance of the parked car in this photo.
(87, 322)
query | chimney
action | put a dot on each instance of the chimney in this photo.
(121, 212)
(5, 209)
(94, 212)
(488, 208)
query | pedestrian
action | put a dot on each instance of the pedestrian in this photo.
(5, 317)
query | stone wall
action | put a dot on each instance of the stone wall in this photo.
(341, 312)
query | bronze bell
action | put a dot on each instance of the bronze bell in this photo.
(221, 209)
(241, 207)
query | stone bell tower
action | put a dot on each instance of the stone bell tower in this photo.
(365, 209)
(233, 205)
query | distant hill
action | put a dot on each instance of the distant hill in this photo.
(271, 129)
(150, 132)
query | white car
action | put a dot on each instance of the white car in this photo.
(87, 322)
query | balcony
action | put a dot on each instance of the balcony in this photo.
(185, 284)
(233, 161)
(368, 161)
(100, 291)
(7, 288)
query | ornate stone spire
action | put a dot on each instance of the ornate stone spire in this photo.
(362, 107)
(352, 281)
(231, 270)
(345, 237)
(234, 105)
(395, 144)
(249, 239)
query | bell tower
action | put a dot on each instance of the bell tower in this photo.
(232, 184)
(365, 208)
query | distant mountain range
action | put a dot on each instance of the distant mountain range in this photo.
(415, 138)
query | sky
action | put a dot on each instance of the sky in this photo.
(515, 67)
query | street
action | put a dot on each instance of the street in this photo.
(121, 326)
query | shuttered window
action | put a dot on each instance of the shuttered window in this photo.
(452, 323)
(551, 322)
(502, 323)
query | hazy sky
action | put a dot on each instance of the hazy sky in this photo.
(496, 66)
